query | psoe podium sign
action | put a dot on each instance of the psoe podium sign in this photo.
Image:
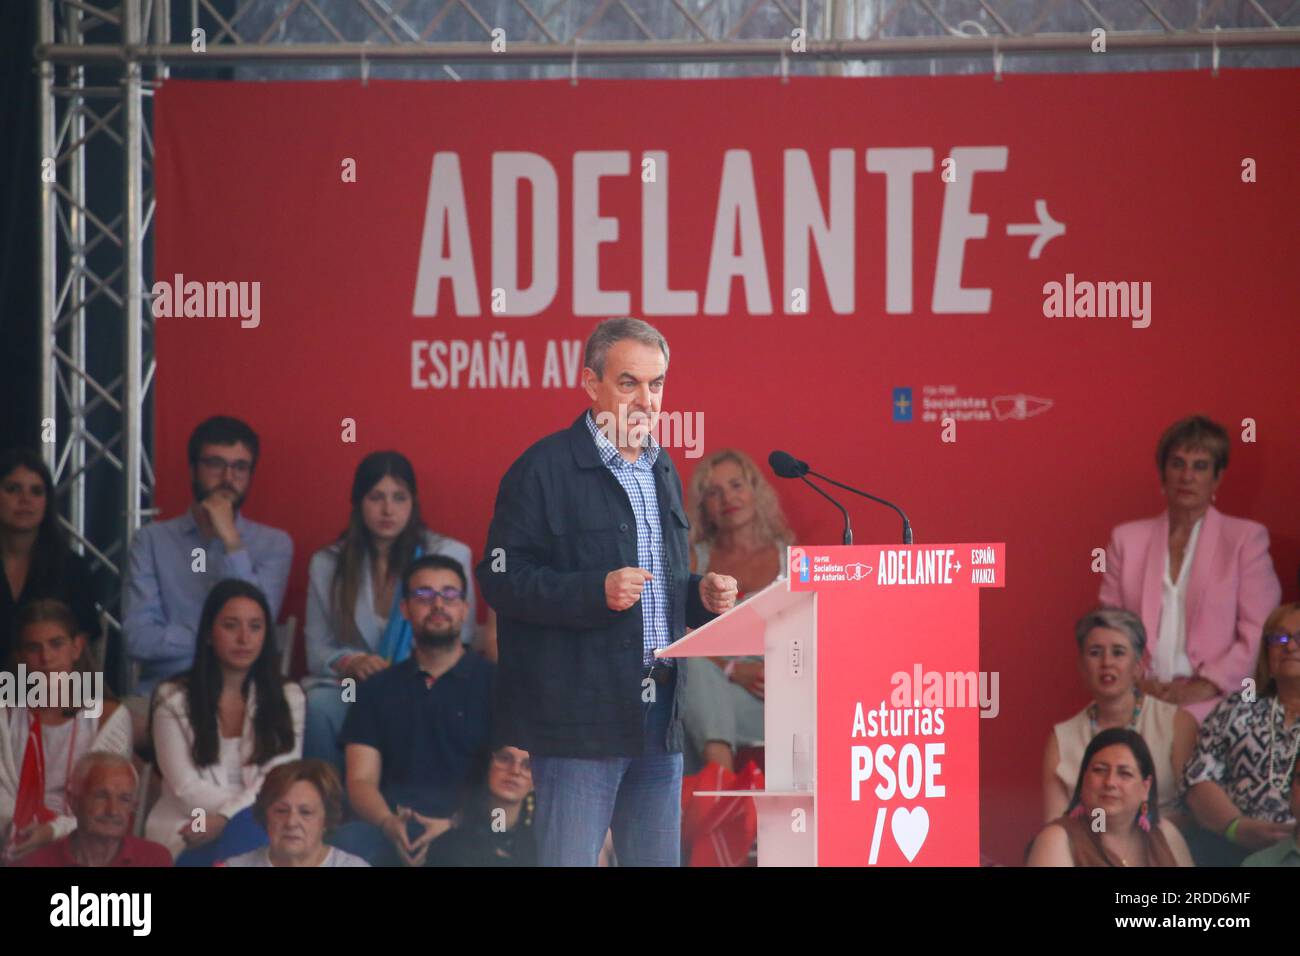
(899, 698)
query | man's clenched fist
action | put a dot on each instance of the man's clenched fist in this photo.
(718, 592)
(623, 587)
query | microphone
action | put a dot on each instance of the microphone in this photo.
(787, 466)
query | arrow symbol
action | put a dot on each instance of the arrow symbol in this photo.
(1043, 231)
(957, 566)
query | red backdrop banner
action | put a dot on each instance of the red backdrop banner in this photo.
(981, 299)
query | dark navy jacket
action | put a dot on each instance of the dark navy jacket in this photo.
(569, 673)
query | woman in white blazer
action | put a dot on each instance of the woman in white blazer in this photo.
(219, 728)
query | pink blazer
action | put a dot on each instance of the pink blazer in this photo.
(1232, 588)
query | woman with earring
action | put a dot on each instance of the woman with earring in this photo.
(1113, 819)
(495, 827)
(1201, 581)
(1112, 643)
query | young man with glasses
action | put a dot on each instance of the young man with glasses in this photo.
(175, 563)
(417, 729)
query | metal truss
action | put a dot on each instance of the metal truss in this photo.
(96, 236)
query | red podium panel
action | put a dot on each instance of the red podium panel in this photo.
(899, 697)
(872, 697)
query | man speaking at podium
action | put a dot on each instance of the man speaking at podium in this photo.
(587, 568)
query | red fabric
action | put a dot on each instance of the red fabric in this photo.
(719, 831)
(29, 803)
(133, 852)
(350, 342)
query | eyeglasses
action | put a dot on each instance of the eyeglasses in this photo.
(426, 595)
(1283, 639)
(218, 464)
(508, 761)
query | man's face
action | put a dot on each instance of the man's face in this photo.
(633, 384)
(436, 619)
(105, 803)
(223, 469)
(47, 647)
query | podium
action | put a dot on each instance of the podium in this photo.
(872, 701)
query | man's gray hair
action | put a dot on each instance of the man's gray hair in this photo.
(96, 760)
(616, 330)
(1116, 619)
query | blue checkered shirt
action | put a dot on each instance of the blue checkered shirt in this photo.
(638, 480)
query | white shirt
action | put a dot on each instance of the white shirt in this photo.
(262, 857)
(1169, 655)
(186, 787)
(110, 735)
(231, 764)
(62, 747)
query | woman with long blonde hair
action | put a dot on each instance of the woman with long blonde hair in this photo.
(737, 528)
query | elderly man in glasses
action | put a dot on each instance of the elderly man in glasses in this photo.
(418, 729)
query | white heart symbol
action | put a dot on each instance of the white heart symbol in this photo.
(910, 828)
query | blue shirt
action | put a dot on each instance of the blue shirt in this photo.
(163, 597)
(638, 480)
(431, 739)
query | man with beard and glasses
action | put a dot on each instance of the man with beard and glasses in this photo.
(418, 728)
(174, 564)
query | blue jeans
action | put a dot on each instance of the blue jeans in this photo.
(241, 834)
(326, 711)
(638, 798)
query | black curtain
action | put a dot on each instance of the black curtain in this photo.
(19, 229)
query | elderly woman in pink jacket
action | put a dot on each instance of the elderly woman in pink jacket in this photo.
(1201, 581)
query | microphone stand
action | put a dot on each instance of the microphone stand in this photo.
(907, 525)
(848, 531)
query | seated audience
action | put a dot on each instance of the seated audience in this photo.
(300, 804)
(416, 729)
(1113, 819)
(1201, 580)
(496, 826)
(37, 562)
(220, 728)
(1237, 786)
(102, 795)
(40, 745)
(1286, 851)
(1112, 643)
(355, 627)
(174, 564)
(737, 528)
